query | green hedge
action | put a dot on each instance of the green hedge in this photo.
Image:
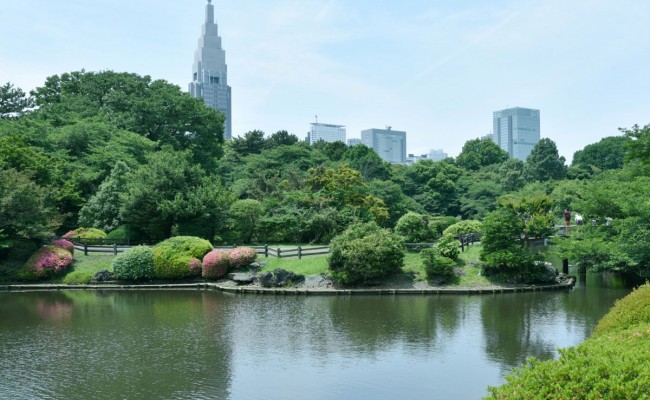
(437, 266)
(171, 258)
(134, 265)
(613, 364)
(85, 233)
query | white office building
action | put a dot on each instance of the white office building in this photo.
(390, 145)
(516, 130)
(326, 132)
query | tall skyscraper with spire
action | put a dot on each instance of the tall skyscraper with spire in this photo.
(210, 72)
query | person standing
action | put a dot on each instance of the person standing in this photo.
(567, 220)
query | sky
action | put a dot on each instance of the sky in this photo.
(435, 69)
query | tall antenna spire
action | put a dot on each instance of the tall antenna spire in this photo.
(209, 13)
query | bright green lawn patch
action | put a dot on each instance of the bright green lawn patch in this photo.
(312, 265)
(93, 262)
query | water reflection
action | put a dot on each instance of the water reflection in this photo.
(195, 344)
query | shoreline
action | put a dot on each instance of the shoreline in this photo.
(249, 289)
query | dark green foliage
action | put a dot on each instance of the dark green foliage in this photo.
(437, 266)
(479, 153)
(366, 161)
(281, 138)
(439, 224)
(135, 264)
(501, 247)
(612, 364)
(172, 257)
(608, 153)
(544, 163)
(126, 232)
(639, 147)
(25, 212)
(253, 142)
(448, 246)
(245, 215)
(365, 252)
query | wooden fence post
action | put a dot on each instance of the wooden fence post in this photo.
(299, 253)
(115, 248)
(85, 249)
(279, 252)
(565, 266)
(266, 250)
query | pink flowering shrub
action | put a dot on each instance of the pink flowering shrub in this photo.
(242, 257)
(46, 262)
(195, 266)
(216, 264)
(65, 244)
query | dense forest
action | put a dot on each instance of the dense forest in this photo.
(138, 157)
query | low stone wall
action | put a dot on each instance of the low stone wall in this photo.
(568, 284)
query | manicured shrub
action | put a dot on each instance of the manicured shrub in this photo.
(448, 247)
(437, 266)
(216, 264)
(134, 265)
(48, 261)
(414, 228)
(65, 244)
(632, 310)
(85, 233)
(365, 252)
(612, 364)
(242, 257)
(464, 227)
(126, 232)
(171, 257)
(78, 278)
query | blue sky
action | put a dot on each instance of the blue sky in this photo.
(436, 69)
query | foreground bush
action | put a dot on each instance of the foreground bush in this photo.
(216, 264)
(613, 364)
(242, 257)
(65, 244)
(365, 252)
(48, 261)
(448, 246)
(78, 278)
(437, 266)
(85, 233)
(134, 265)
(171, 258)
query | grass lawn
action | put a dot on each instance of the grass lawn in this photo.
(85, 266)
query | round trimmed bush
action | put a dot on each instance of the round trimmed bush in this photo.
(78, 278)
(464, 227)
(48, 261)
(134, 265)
(85, 233)
(216, 264)
(365, 252)
(242, 257)
(632, 310)
(65, 244)
(448, 246)
(436, 265)
(171, 257)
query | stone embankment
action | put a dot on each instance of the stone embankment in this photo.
(231, 287)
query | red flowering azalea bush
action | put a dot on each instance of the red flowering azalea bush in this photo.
(65, 244)
(195, 266)
(216, 264)
(46, 262)
(243, 257)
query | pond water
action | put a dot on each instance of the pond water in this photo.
(211, 345)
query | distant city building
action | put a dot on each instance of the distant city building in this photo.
(516, 130)
(326, 132)
(412, 158)
(437, 155)
(390, 145)
(210, 72)
(354, 142)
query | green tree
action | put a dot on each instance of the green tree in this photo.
(479, 153)
(253, 142)
(365, 160)
(608, 153)
(414, 228)
(281, 138)
(639, 146)
(544, 163)
(246, 214)
(13, 101)
(103, 209)
(25, 211)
